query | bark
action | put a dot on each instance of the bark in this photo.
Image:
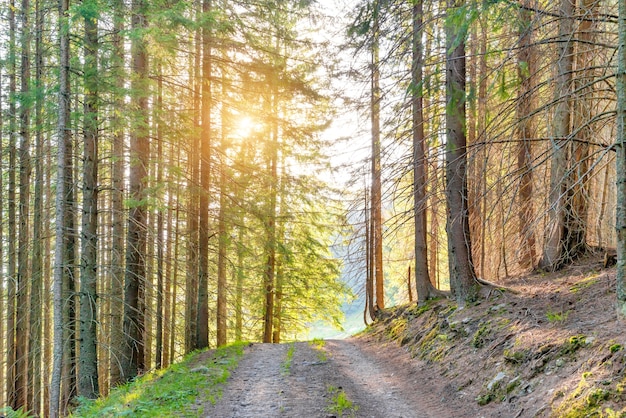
(376, 212)
(462, 276)
(23, 255)
(68, 388)
(135, 276)
(63, 131)
(117, 204)
(191, 296)
(578, 193)
(369, 262)
(2, 265)
(202, 331)
(35, 318)
(554, 251)
(620, 160)
(88, 354)
(223, 237)
(525, 71)
(269, 276)
(11, 209)
(160, 231)
(423, 286)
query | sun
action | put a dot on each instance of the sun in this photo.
(245, 126)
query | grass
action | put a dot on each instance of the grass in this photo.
(340, 404)
(318, 344)
(557, 316)
(8, 412)
(170, 392)
(286, 364)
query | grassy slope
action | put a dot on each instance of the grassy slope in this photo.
(171, 392)
(556, 348)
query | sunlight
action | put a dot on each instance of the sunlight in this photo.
(244, 127)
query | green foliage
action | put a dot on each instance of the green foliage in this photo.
(340, 404)
(615, 348)
(169, 392)
(8, 412)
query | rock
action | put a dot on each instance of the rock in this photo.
(200, 369)
(496, 380)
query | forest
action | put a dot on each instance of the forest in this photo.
(181, 174)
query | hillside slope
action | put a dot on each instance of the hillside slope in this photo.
(552, 347)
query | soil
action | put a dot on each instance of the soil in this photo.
(379, 381)
(550, 345)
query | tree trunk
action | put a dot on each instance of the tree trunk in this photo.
(202, 331)
(135, 276)
(554, 251)
(36, 296)
(526, 132)
(578, 193)
(2, 265)
(160, 231)
(462, 275)
(620, 160)
(423, 285)
(116, 292)
(60, 268)
(270, 266)
(88, 354)
(223, 237)
(23, 254)
(191, 294)
(376, 212)
(11, 209)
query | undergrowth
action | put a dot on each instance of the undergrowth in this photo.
(168, 392)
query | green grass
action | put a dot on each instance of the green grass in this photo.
(8, 412)
(318, 344)
(340, 404)
(557, 316)
(286, 364)
(170, 392)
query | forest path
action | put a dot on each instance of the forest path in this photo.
(381, 382)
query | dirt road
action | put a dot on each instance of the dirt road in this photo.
(300, 380)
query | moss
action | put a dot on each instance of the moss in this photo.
(573, 344)
(478, 340)
(397, 328)
(516, 357)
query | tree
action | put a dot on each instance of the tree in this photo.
(23, 277)
(425, 289)
(60, 267)
(462, 276)
(202, 322)
(620, 160)
(135, 276)
(376, 211)
(88, 361)
(37, 265)
(116, 286)
(554, 251)
(11, 206)
(525, 70)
